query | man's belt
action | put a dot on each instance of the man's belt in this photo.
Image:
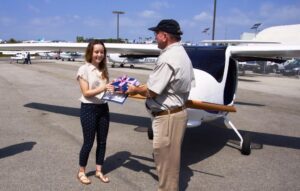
(169, 111)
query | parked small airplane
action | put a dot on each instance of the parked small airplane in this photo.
(70, 56)
(43, 55)
(215, 68)
(114, 58)
(18, 57)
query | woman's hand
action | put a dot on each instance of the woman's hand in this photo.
(110, 88)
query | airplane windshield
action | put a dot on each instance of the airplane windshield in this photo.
(210, 59)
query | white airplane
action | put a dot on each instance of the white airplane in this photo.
(54, 55)
(43, 55)
(215, 68)
(18, 57)
(114, 58)
(70, 56)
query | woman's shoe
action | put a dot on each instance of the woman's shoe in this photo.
(103, 178)
(83, 178)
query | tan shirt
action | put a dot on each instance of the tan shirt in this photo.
(172, 79)
(92, 75)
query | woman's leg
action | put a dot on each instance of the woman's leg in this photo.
(102, 132)
(88, 120)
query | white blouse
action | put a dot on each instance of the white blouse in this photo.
(92, 75)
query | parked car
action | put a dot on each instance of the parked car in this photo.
(250, 66)
(292, 68)
(266, 67)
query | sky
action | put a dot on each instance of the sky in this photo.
(67, 19)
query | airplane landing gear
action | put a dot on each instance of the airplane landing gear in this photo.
(131, 66)
(246, 146)
(245, 142)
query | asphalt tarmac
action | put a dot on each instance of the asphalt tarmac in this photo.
(40, 135)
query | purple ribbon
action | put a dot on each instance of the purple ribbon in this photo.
(124, 80)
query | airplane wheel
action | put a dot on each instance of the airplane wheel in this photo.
(150, 133)
(112, 65)
(121, 65)
(246, 147)
(131, 66)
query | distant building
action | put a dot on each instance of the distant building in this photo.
(247, 36)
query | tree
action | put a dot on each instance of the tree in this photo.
(79, 39)
(12, 40)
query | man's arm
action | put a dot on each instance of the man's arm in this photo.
(142, 90)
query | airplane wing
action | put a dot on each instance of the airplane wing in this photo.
(238, 42)
(267, 52)
(253, 52)
(130, 49)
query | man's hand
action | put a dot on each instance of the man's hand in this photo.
(131, 90)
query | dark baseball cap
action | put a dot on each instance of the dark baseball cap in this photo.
(168, 25)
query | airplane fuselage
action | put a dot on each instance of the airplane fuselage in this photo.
(216, 81)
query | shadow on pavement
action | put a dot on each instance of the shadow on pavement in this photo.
(199, 143)
(127, 160)
(114, 117)
(16, 149)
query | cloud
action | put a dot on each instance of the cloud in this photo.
(158, 5)
(203, 16)
(33, 9)
(6, 21)
(237, 17)
(276, 15)
(92, 22)
(149, 14)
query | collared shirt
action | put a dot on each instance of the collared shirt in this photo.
(172, 79)
(92, 75)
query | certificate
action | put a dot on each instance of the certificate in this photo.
(120, 85)
(115, 97)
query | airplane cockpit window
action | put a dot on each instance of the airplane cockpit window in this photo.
(210, 59)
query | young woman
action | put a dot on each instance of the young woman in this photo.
(94, 112)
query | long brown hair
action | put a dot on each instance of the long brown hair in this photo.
(89, 54)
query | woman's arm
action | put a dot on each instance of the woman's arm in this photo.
(86, 92)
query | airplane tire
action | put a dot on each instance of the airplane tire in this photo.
(112, 65)
(121, 65)
(131, 66)
(246, 146)
(150, 133)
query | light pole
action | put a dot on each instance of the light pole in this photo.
(255, 27)
(205, 31)
(118, 13)
(214, 20)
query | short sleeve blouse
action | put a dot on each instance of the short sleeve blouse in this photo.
(92, 75)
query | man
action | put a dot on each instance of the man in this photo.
(28, 58)
(25, 58)
(167, 90)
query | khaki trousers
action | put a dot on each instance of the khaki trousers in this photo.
(168, 131)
